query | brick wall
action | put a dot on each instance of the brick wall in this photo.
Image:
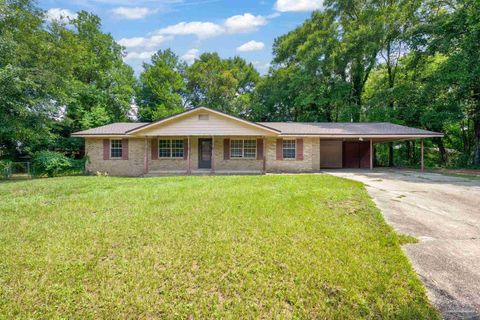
(134, 166)
(131, 167)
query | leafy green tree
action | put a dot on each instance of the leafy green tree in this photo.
(223, 84)
(26, 81)
(161, 86)
(453, 29)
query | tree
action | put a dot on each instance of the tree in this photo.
(26, 81)
(453, 30)
(223, 84)
(161, 86)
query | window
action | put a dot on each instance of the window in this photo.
(289, 149)
(243, 149)
(170, 148)
(203, 117)
(116, 149)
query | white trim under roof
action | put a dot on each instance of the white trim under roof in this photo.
(253, 124)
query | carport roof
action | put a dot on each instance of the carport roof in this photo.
(381, 129)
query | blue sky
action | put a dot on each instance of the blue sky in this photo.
(189, 27)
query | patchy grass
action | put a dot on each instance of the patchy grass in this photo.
(290, 246)
(406, 239)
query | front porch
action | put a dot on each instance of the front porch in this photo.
(204, 155)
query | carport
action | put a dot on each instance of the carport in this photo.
(351, 144)
(356, 153)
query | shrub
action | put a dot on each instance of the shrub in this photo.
(52, 164)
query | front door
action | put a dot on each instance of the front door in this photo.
(204, 153)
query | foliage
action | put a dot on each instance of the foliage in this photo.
(56, 78)
(162, 85)
(244, 247)
(52, 164)
(223, 84)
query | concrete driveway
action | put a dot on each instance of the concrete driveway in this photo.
(443, 213)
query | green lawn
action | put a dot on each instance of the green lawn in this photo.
(285, 246)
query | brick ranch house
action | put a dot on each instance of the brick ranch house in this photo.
(206, 141)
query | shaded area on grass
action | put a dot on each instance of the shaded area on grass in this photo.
(306, 246)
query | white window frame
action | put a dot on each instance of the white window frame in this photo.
(171, 149)
(242, 156)
(116, 148)
(289, 148)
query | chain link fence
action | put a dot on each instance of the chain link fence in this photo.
(16, 170)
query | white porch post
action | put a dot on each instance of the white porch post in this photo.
(189, 156)
(422, 165)
(213, 155)
(145, 157)
(371, 154)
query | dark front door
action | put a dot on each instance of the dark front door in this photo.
(205, 153)
(356, 154)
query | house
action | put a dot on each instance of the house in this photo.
(207, 141)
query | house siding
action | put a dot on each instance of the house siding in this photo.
(310, 162)
(131, 167)
(134, 166)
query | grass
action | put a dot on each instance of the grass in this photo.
(289, 246)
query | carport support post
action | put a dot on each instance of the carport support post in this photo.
(371, 154)
(422, 166)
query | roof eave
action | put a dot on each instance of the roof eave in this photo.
(98, 135)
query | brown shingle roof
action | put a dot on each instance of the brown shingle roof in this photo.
(292, 128)
(118, 128)
(346, 128)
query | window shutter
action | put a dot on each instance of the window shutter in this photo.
(226, 149)
(299, 149)
(279, 149)
(185, 149)
(259, 149)
(106, 149)
(154, 149)
(124, 149)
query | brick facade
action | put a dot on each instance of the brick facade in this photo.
(134, 166)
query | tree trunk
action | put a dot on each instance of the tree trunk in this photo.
(441, 149)
(390, 154)
(476, 156)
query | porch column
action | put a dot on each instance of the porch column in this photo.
(189, 156)
(213, 155)
(371, 154)
(264, 155)
(422, 166)
(145, 157)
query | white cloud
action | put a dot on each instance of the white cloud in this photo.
(244, 23)
(149, 42)
(298, 5)
(61, 15)
(190, 56)
(251, 46)
(133, 13)
(202, 30)
(139, 55)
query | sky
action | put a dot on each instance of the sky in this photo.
(246, 28)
